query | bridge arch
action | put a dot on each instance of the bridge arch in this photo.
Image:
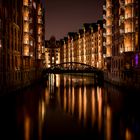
(73, 66)
(68, 67)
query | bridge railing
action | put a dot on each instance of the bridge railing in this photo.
(72, 66)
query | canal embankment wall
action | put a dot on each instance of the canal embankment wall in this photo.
(26, 80)
(127, 80)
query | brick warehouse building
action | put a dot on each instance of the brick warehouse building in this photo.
(86, 46)
(122, 41)
(21, 43)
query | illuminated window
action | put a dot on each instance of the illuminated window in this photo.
(39, 56)
(129, 1)
(126, 15)
(39, 11)
(39, 20)
(26, 27)
(39, 48)
(52, 59)
(26, 50)
(39, 39)
(128, 27)
(108, 31)
(25, 2)
(108, 22)
(26, 15)
(26, 39)
(128, 43)
(39, 30)
(128, 12)
(126, 30)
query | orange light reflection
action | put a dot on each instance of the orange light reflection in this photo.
(27, 128)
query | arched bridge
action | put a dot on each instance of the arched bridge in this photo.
(73, 67)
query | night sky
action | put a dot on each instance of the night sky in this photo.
(63, 16)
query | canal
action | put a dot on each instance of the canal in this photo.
(70, 107)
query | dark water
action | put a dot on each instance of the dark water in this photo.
(70, 107)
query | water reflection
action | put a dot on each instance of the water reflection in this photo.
(92, 105)
(108, 123)
(80, 104)
(93, 108)
(85, 106)
(128, 134)
(99, 98)
(76, 96)
(27, 128)
(71, 105)
(73, 90)
(73, 100)
(65, 100)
